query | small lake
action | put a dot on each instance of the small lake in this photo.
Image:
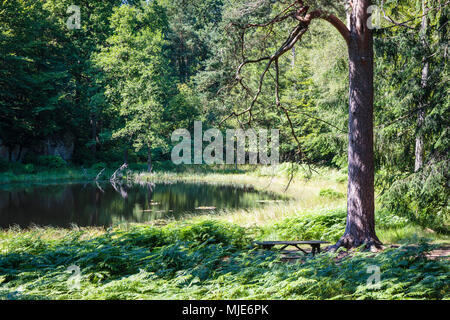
(103, 204)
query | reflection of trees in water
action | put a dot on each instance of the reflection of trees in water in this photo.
(120, 188)
(24, 206)
(111, 203)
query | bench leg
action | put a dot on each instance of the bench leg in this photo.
(315, 249)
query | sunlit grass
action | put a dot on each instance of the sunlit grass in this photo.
(304, 198)
(410, 234)
(303, 193)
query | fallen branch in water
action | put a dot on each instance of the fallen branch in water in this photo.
(121, 168)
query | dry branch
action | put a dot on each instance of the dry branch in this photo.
(298, 11)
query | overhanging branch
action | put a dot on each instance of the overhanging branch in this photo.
(298, 11)
(335, 21)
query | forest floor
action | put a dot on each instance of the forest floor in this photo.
(212, 256)
(441, 252)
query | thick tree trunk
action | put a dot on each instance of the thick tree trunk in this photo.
(149, 157)
(360, 227)
(419, 151)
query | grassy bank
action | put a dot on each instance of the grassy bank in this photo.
(311, 195)
(201, 260)
(211, 256)
(306, 194)
(48, 175)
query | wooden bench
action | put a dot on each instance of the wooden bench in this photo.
(315, 245)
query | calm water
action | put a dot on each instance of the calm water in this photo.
(90, 204)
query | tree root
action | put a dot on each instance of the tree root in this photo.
(348, 241)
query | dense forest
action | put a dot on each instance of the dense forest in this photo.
(114, 89)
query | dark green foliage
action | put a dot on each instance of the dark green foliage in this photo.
(423, 197)
(33, 75)
(52, 162)
(99, 166)
(328, 226)
(4, 165)
(420, 196)
(29, 168)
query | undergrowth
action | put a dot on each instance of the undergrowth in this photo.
(207, 260)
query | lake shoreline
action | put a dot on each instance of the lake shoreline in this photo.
(305, 194)
(105, 203)
(211, 257)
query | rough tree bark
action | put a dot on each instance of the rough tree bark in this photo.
(360, 227)
(419, 149)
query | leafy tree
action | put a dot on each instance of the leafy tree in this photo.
(413, 112)
(192, 26)
(138, 74)
(33, 75)
(255, 46)
(85, 91)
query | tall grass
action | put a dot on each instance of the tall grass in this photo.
(310, 194)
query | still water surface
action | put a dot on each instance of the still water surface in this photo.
(91, 204)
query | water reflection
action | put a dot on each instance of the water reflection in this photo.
(105, 204)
